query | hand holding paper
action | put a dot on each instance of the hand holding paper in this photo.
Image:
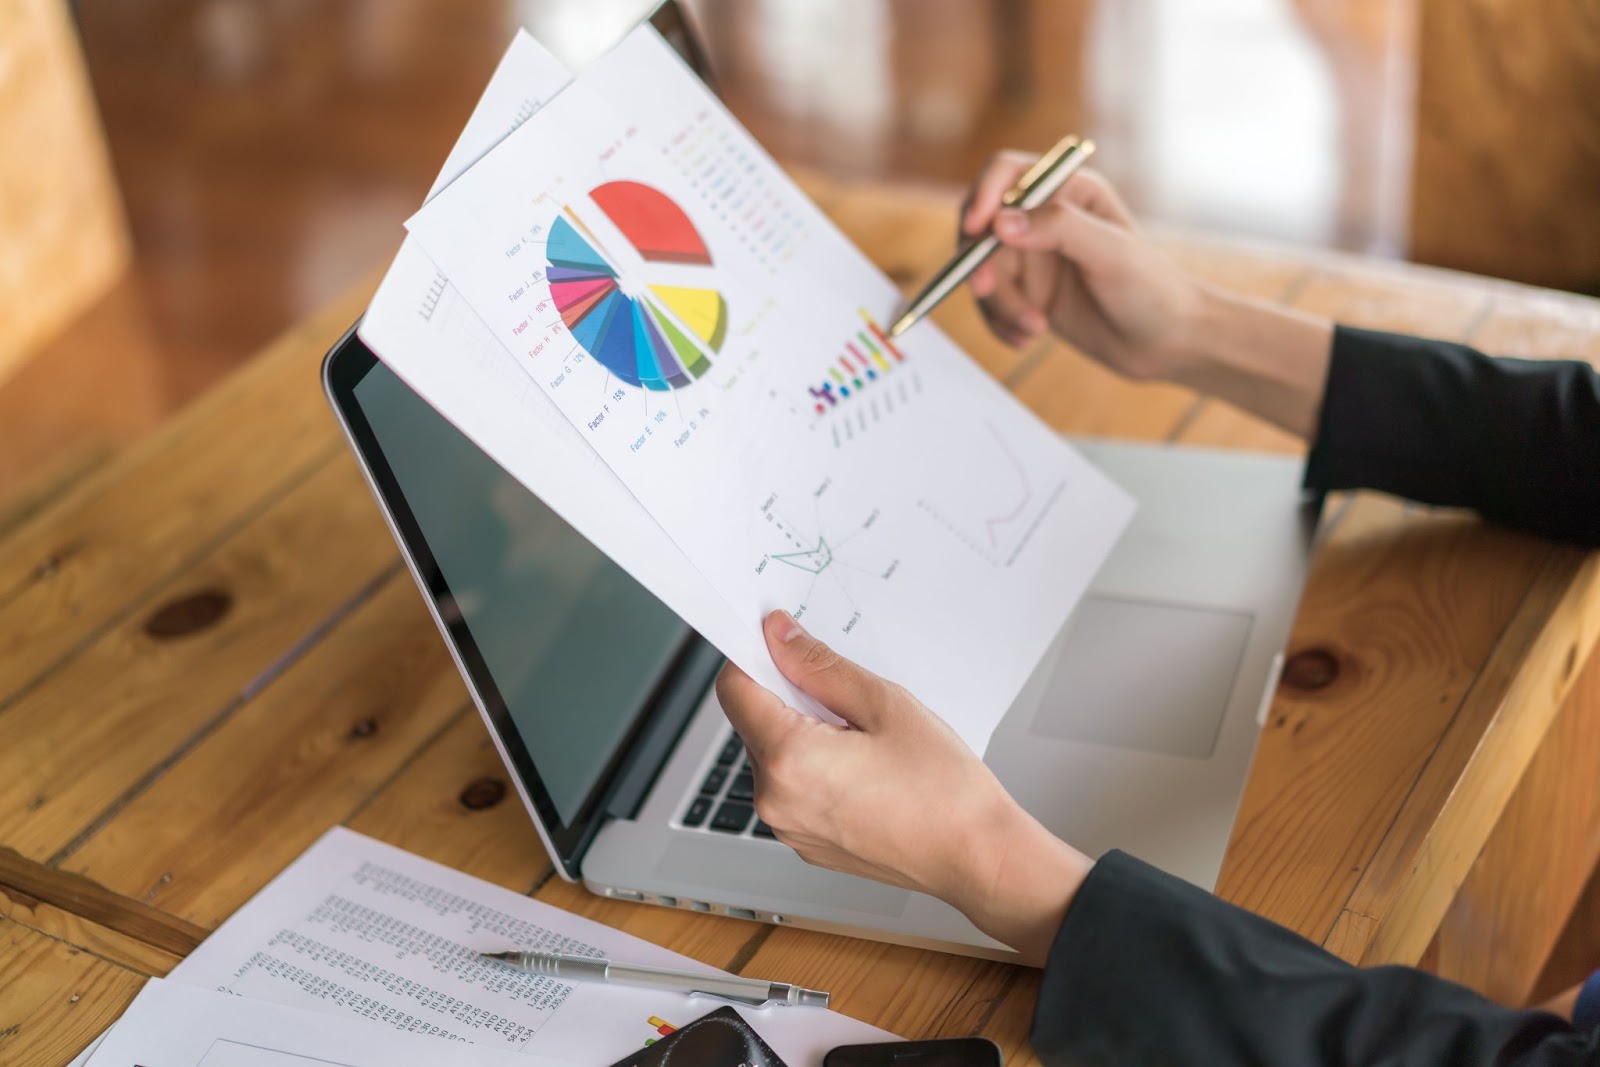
(717, 344)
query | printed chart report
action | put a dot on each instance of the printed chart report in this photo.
(718, 345)
(419, 325)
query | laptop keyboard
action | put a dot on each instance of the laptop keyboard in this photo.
(725, 801)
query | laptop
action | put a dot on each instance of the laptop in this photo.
(1135, 731)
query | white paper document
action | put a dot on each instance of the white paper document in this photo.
(361, 929)
(422, 329)
(718, 345)
(526, 77)
(175, 1025)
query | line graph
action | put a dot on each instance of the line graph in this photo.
(1008, 509)
(1024, 490)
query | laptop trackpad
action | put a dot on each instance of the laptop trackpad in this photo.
(775, 874)
(1144, 675)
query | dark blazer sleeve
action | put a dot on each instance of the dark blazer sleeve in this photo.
(1516, 440)
(1150, 971)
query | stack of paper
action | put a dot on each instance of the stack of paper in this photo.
(627, 304)
(362, 954)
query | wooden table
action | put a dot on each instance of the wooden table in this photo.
(210, 653)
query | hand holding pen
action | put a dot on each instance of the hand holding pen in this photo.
(1033, 187)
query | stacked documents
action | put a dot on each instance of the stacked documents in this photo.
(362, 954)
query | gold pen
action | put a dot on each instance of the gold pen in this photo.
(1037, 185)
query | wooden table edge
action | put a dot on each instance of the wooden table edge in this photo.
(1539, 657)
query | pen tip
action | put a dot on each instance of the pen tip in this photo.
(498, 955)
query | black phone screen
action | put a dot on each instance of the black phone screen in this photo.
(947, 1052)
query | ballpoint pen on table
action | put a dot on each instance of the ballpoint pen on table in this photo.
(751, 991)
(1037, 185)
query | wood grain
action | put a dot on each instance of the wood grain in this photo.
(420, 809)
(48, 484)
(1504, 921)
(130, 702)
(110, 943)
(1406, 607)
(298, 758)
(1476, 768)
(75, 568)
(1577, 949)
(1009, 1020)
(25, 880)
(54, 999)
(62, 237)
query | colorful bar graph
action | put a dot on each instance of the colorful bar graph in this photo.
(863, 361)
(882, 339)
(877, 354)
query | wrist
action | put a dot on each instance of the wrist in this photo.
(1016, 879)
(1269, 360)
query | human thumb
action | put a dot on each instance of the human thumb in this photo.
(845, 688)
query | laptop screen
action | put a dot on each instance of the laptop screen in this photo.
(574, 646)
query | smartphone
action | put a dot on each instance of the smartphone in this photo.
(945, 1052)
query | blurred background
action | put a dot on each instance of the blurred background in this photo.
(209, 171)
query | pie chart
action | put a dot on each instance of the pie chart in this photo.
(654, 336)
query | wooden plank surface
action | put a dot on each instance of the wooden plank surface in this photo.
(322, 694)
(74, 569)
(55, 997)
(302, 756)
(27, 883)
(1449, 816)
(139, 695)
(110, 943)
(1496, 937)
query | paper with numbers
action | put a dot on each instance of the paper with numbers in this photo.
(177, 1025)
(359, 928)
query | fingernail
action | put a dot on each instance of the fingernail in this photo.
(1013, 220)
(788, 629)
